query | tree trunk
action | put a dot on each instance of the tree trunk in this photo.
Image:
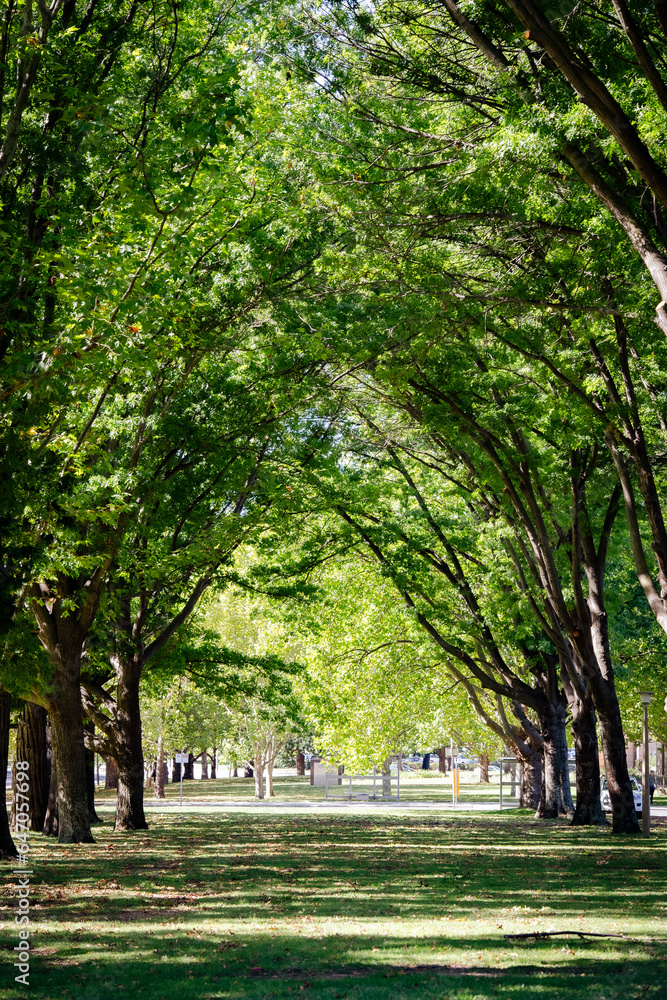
(530, 794)
(50, 828)
(189, 768)
(67, 736)
(160, 768)
(556, 798)
(484, 768)
(31, 747)
(175, 773)
(442, 759)
(248, 771)
(204, 765)
(110, 773)
(128, 749)
(269, 776)
(386, 778)
(90, 778)
(214, 763)
(588, 810)
(300, 763)
(259, 780)
(623, 814)
(7, 846)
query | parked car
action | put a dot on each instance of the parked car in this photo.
(605, 800)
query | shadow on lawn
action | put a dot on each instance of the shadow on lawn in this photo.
(269, 906)
(155, 968)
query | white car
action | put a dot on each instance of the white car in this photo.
(605, 800)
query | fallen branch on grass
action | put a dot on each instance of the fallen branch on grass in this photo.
(538, 935)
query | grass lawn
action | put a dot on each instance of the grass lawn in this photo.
(258, 906)
(418, 786)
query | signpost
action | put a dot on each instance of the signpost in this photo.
(181, 758)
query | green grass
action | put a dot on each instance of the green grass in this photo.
(419, 786)
(259, 906)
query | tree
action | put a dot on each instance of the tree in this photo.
(175, 244)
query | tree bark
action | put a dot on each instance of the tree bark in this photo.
(7, 846)
(189, 768)
(204, 765)
(50, 828)
(68, 744)
(259, 779)
(300, 763)
(442, 759)
(556, 798)
(530, 793)
(588, 811)
(484, 768)
(160, 769)
(128, 749)
(214, 763)
(386, 778)
(623, 813)
(90, 778)
(31, 747)
(110, 773)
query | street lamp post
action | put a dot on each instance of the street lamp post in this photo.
(646, 698)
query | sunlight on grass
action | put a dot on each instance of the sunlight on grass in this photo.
(257, 906)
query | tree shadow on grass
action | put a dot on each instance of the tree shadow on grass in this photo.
(252, 907)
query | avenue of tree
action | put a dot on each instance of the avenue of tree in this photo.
(357, 310)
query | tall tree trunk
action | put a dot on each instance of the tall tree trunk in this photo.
(556, 799)
(259, 777)
(214, 763)
(189, 768)
(110, 773)
(128, 749)
(67, 736)
(31, 746)
(269, 775)
(530, 793)
(484, 767)
(588, 810)
(442, 759)
(386, 778)
(300, 763)
(204, 765)
(159, 769)
(7, 846)
(50, 828)
(90, 777)
(623, 813)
